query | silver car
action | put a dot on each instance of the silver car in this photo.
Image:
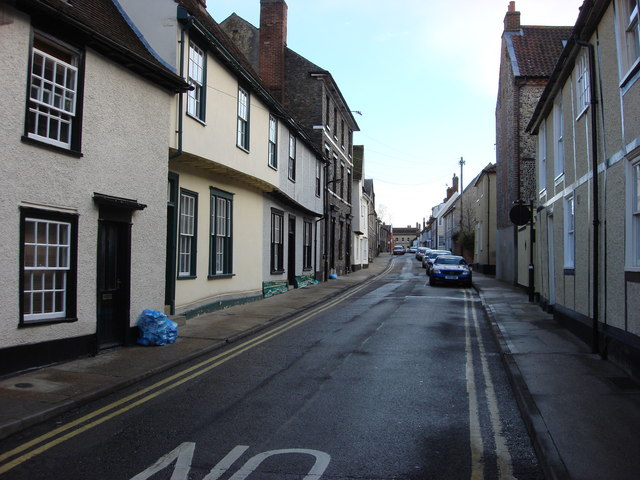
(427, 260)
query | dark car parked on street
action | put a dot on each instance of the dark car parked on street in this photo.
(450, 269)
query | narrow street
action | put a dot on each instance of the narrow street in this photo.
(393, 380)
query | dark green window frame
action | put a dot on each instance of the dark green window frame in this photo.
(221, 234)
(277, 241)
(187, 234)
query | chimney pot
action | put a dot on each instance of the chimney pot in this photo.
(512, 19)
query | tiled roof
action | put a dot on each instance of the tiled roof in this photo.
(101, 26)
(537, 49)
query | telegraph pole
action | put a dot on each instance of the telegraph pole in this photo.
(461, 163)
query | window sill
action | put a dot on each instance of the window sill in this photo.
(277, 272)
(570, 271)
(199, 120)
(582, 113)
(632, 276)
(38, 323)
(273, 167)
(542, 194)
(631, 76)
(558, 180)
(221, 275)
(53, 148)
(186, 277)
(245, 150)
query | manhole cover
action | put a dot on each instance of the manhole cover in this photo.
(23, 385)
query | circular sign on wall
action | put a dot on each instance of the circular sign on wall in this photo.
(520, 214)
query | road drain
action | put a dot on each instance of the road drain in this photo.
(625, 384)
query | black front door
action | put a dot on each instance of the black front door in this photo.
(291, 254)
(114, 260)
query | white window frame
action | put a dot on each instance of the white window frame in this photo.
(318, 178)
(628, 30)
(46, 268)
(583, 94)
(273, 142)
(196, 78)
(569, 231)
(635, 214)
(558, 138)
(187, 234)
(542, 154)
(292, 157)
(53, 92)
(242, 138)
(632, 254)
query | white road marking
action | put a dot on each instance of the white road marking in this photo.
(183, 457)
(321, 464)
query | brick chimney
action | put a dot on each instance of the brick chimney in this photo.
(512, 19)
(273, 42)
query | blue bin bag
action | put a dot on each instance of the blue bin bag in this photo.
(155, 328)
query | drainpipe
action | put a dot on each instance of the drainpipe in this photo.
(325, 254)
(488, 229)
(595, 347)
(187, 21)
(316, 267)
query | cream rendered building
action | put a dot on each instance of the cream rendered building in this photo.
(84, 169)
(360, 209)
(485, 235)
(244, 181)
(588, 128)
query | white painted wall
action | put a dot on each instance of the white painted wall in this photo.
(124, 145)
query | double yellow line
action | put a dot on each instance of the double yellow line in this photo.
(97, 417)
(477, 442)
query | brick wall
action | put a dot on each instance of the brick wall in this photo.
(273, 41)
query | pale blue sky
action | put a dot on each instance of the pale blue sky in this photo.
(424, 74)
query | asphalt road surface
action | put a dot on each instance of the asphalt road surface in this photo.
(392, 380)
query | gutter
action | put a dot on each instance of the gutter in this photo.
(187, 21)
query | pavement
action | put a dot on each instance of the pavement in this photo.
(582, 412)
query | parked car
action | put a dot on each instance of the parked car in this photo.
(399, 250)
(411, 250)
(428, 259)
(450, 269)
(420, 251)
